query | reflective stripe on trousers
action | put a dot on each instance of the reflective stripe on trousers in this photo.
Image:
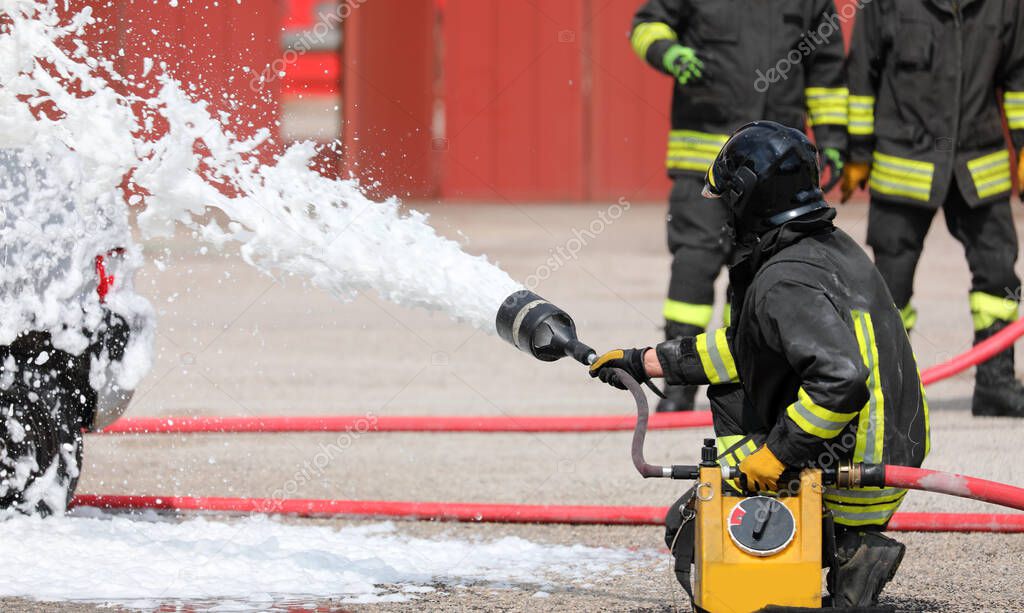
(909, 316)
(686, 313)
(987, 309)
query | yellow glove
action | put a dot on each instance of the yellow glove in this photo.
(1020, 173)
(855, 175)
(762, 470)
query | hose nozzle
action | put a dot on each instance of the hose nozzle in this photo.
(541, 329)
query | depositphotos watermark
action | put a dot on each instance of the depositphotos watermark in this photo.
(313, 468)
(580, 239)
(328, 23)
(809, 43)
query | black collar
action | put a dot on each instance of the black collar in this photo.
(946, 6)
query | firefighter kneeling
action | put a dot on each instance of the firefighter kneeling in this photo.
(816, 366)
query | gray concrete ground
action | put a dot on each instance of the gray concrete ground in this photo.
(234, 342)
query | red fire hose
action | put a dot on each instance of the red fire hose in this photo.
(427, 511)
(957, 522)
(852, 476)
(415, 423)
(502, 513)
(981, 352)
(890, 476)
(401, 423)
(925, 480)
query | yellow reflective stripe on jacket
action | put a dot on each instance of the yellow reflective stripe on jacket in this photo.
(715, 357)
(827, 105)
(724, 446)
(845, 518)
(898, 176)
(733, 449)
(686, 313)
(866, 511)
(909, 316)
(815, 419)
(927, 418)
(991, 173)
(1013, 103)
(862, 115)
(645, 34)
(864, 495)
(871, 426)
(987, 309)
(691, 150)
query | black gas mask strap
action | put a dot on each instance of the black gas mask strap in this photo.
(783, 217)
(741, 188)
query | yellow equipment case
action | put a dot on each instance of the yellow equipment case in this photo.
(755, 551)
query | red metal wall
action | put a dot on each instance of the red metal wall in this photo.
(546, 101)
(514, 100)
(541, 100)
(317, 71)
(389, 74)
(630, 104)
(207, 45)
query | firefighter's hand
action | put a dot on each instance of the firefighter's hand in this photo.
(832, 158)
(683, 63)
(855, 176)
(762, 470)
(629, 360)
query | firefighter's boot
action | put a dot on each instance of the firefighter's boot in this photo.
(678, 397)
(997, 392)
(868, 560)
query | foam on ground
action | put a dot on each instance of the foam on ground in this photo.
(144, 562)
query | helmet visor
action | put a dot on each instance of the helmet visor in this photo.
(710, 188)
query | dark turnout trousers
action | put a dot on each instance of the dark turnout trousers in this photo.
(700, 248)
(896, 233)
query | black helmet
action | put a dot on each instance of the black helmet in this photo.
(767, 174)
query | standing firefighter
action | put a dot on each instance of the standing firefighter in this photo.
(732, 61)
(815, 368)
(927, 80)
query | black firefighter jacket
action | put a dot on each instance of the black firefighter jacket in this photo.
(928, 79)
(763, 59)
(820, 350)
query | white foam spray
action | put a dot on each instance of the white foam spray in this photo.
(59, 203)
(285, 216)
